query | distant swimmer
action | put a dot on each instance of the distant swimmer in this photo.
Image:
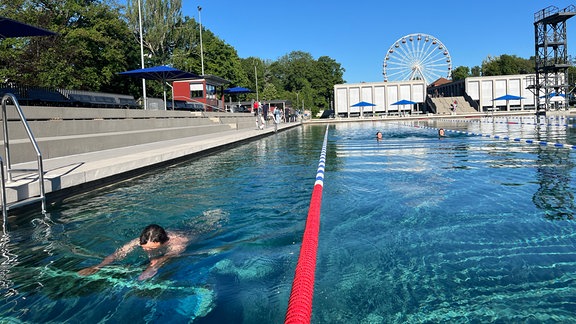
(441, 132)
(378, 135)
(155, 241)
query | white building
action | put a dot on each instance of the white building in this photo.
(485, 89)
(480, 92)
(381, 94)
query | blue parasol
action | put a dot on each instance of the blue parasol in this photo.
(238, 90)
(404, 102)
(509, 97)
(11, 28)
(363, 104)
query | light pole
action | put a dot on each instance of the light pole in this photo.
(297, 99)
(201, 48)
(142, 54)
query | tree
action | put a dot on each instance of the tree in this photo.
(90, 49)
(269, 92)
(460, 73)
(97, 39)
(476, 71)
(222, 59)
(159, 21)
(507, 65)
(329, 72)
(303, 78)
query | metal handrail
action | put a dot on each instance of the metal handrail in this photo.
(9, 96)
(3, 184)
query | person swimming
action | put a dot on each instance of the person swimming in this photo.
(378, 135)
(441, 132)
(158, 244)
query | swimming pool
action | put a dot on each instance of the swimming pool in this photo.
(414, 228)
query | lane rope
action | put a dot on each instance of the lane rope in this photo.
(503, 137)
(300, 302)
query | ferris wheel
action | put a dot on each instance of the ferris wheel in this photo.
(417, 57)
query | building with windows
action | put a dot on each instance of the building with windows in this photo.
(383, 95)
(473, 94)
(207, 91)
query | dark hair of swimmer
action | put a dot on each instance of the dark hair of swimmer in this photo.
(153, 233)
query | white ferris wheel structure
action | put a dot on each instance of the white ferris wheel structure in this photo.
(417, 57)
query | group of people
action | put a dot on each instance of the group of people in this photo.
(261, 114)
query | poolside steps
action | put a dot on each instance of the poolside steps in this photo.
(62, 131)
(444, 105)
(86, 148)
(73, 174)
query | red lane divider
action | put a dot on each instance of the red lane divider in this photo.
(300, 303)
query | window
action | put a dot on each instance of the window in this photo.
(210, 91)
(196, 90)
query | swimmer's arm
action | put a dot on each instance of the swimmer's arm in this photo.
(117, 255)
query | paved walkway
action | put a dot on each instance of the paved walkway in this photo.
(65, 176)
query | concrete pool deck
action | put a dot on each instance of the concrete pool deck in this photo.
(70, 175)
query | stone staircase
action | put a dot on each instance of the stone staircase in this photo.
(62, 131)
(444, 106)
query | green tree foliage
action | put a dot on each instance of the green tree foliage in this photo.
(170, 39)
(159, 21)
(269, 92)
(222, 59)
(476, 71)
(460, 73)
(507, 65)
(305, 79)
(93, 44)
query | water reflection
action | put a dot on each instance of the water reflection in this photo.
(9, 260)
(555, 194)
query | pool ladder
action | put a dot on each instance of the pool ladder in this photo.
(6, 173)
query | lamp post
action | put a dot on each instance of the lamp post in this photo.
(142, 54)
(201, 48)
(297, 99)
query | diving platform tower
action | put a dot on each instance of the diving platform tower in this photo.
(551, 56)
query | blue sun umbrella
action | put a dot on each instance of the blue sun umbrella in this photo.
(509, 97)
(11, 28)
(237, 90)
(404, 102)
(555, 97)
(363, 104)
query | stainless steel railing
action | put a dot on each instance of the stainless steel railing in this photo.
(9, 170)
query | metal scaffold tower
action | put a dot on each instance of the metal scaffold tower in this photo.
(551, 56)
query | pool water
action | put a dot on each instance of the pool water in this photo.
(414, 229)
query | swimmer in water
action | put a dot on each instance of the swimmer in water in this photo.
(378, 135)
(155, 241)
(441, 132)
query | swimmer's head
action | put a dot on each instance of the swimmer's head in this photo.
(153, 234)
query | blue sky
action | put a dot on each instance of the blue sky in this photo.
(357, 34)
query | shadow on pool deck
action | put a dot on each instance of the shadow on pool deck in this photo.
(70, 175)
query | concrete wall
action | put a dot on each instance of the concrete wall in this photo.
(67, 131)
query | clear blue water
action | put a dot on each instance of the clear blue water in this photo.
(414, 229)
